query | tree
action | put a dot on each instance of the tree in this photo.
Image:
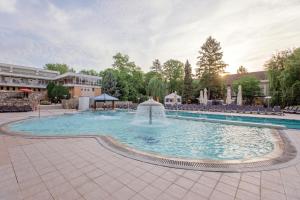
(110, 82)
(173, 73)
(61, 68)
(130, 78)
(50, 87)
(187, 91)
(210, 66)
(242, 70)
(250, 87)
(121, 62)
(290, 79)
(57, 92)
(89, 72)
(156, 88)
(275, 66)
(156, 66)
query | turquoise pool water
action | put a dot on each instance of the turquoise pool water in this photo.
(289, 123)
(177, 138)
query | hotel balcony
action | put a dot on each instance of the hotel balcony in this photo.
(29, 84)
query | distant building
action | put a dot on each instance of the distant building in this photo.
(260, 75)
(171, 99)
(15, 77)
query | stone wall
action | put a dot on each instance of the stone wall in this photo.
(12, 101)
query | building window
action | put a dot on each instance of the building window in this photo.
(39, 89)
(93, 89)
(13, 88)
(7, 88)
(1, 88)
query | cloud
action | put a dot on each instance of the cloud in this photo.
(7, 6)
(86, 34)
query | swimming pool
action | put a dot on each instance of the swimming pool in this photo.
(177, 138)
(289, 123)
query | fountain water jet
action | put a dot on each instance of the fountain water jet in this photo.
(150, 112)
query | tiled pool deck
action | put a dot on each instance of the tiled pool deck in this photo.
(80, 168)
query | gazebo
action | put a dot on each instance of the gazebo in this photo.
(103, 98)
(172, 99)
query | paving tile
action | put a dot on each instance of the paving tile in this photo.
(148, 177)
(69, 195)
(158, 171)
(244, 195)
(87, 187)
(124, 194)
(230, 180)
(170, 176)
(150, 192)
(176, 191)
(116, 173)
(98, 194)
(251, 179)
(165, 196)
(78, 181)
(270, 194)
(273, 186)
(104, 179)
(137, 185)
(126, 178)
(193, 175)
(161, 183)
(95, 173)
(55, 181)
(226, 188)
(207, 181)
(113, 186)
(45, 195)
(184, 182)
(193, 196)
(203, 190)
(217, 195)
(249, 187)
(33, 190)
(60, 189)
(212, 175)
(138, 197)
(137, 172)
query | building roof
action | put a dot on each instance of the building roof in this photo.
(172, 95)
(28, 68)
(77, 75)
(260, 75)
(105, 97)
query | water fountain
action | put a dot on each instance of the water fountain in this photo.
(150, 112)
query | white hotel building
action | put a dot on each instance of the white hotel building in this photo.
(14, 78)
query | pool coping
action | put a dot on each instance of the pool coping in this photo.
(283, 154)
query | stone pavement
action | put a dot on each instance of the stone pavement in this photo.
(80, 168)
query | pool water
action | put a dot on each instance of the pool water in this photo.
(176, 138)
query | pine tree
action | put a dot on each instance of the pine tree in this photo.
(210, 66)
(156, 66)
(187, 83)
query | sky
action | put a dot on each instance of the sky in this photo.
(86, 34)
